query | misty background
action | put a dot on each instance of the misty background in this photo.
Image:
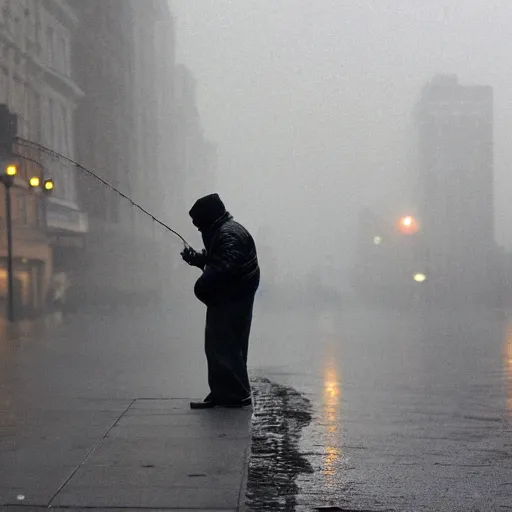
(310, 105)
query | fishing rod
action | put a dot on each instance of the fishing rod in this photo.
(51, 152)
(187, 245)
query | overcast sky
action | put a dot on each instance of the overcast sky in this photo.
(310, 103)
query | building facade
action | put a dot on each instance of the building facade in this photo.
(36, 83)
(455, 186)
(124, 62)
(194, 153)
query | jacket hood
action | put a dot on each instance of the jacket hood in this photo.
(206, 211)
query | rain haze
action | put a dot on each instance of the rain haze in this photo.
(354, 353)
(311, 106)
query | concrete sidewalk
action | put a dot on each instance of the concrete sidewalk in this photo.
(141, 454)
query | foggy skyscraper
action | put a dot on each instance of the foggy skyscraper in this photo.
(455, 186)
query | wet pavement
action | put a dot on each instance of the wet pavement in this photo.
(280, 415)
(356, 409)
(409, 412)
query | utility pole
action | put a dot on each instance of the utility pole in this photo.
(8, 131)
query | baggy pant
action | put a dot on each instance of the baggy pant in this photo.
(228, 326)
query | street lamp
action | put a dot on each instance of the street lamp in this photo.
(48, 185)
(34, 182)
(7, 179)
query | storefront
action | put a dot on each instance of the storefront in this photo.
(32, 264)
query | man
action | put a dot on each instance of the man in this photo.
(227, 287)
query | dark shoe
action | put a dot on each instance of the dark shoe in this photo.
(207, 403)
(203, 405)
(246, 402)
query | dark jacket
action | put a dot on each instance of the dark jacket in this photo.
(230, 261)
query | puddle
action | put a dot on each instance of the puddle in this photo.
(280, 415)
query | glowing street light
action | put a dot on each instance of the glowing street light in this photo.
(408, 225)
(420, 277)
(377, 240)
(11, 170)
(35, 182)
(7, 180)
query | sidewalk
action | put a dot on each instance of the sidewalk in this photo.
(141, 454)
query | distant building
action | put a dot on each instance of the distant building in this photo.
(195, 155)
(455, 186)
(124, 62)
(37, 84)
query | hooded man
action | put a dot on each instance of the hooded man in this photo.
(227, 287)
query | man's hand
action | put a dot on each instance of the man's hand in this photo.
(192, 257)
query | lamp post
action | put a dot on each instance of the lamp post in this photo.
(7, 179)
(8, 173)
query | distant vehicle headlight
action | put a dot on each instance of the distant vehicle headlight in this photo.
(420, 277)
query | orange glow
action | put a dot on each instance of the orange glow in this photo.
(331, 420)
(508, 367)
(408, 225)
(331, 457)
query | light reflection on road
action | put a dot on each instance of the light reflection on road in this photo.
(331, 403)
(508, 367)
(331, 420)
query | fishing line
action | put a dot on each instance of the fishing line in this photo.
(51, 152)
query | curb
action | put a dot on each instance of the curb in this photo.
(242, 497)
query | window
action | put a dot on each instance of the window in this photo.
(62, 56)
(50, 37)
(21, 207)
(63, 127)
(49, 124)
(3, 86)
(34, 115)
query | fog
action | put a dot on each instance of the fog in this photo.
(365, 145)
(310, 105)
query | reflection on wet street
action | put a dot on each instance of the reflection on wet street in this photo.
(508, 368)
(360, 409)
(409, 411)
(331, 420)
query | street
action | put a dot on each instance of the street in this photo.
(409, 411)
(356, 408)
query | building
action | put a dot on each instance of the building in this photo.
(455, 184)
(124, 62)
(195, 155)
(36, 83)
